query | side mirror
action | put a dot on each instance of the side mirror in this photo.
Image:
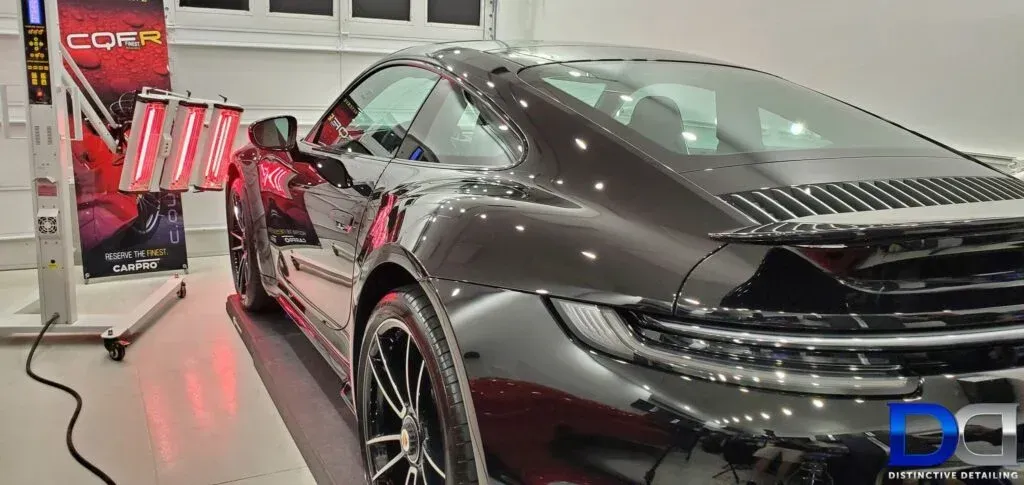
(277, 133)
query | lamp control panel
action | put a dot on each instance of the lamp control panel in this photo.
(37, 52)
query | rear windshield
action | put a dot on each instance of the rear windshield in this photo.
(709, 110)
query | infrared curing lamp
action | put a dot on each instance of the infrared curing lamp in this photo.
(60, 101)
(172, 147)
(173, 142)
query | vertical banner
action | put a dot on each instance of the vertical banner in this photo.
(120, 46)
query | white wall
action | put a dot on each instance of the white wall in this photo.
(945, 67)
(948, 68)
(268, 63)
(15, 203)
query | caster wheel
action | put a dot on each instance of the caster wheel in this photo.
(116, 351)
(182, 291)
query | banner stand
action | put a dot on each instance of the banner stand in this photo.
(123, 228)
(136, 276)
(49, 137)
(77, 261)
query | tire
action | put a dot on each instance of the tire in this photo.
(401, 318)
(242, 251)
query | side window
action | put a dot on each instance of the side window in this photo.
(778, 133)
(456, 128)
(374, 117)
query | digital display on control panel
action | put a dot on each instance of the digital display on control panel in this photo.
(34, 12)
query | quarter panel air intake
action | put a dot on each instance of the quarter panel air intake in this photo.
(777, 204)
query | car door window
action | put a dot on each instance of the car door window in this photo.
(374, 117)
(458, 128)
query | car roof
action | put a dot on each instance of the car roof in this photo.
(533, 53)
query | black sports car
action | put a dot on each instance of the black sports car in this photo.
(543, 263)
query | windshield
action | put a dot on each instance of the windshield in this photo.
(698, 110)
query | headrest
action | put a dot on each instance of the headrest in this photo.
(659, 118)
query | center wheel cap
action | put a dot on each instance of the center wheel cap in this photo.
(410, 439)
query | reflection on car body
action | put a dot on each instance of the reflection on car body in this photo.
(639, 266)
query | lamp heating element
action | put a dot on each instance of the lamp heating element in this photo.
(144, 145)
(216, 149)
(185, 136)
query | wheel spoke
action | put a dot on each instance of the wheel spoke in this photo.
(387, 466)
(240, 274)
(412, 476)
(430, 461)
(380, 384)
(391, 378)
(419, 384)
(245, 271)
(239, 219)
(236, 248)
(385, 439)
(408, 364)
(236, 235)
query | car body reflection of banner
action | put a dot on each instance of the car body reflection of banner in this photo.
(120, 46)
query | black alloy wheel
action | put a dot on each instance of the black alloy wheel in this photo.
(412, 418)
(248, 284)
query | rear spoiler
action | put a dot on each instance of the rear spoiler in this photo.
(795, 233)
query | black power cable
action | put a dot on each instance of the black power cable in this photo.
(78, 406)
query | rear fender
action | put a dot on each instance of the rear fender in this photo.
(396, 254)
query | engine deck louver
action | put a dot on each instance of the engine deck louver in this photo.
(785, 203)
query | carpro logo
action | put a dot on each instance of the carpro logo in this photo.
(953, 428)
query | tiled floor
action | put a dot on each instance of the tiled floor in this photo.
(185, 407)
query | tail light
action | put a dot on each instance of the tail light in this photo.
(803, 364)
(838, 261)
(185, 136)
(216, 147)
(145, 144)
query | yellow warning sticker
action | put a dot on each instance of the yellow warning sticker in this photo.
(53, 265)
